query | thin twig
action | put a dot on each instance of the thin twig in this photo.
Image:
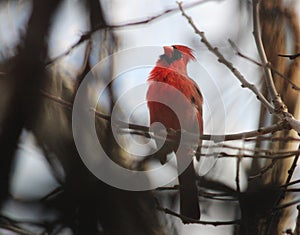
(15, 229)
(239, 53)
(238, 167)
(293, 168)
(264, 170)
(175, 187)
(276, 100)
(87, 35)
(292, 190)
(289, 177)
(291, 57)
(290, 184)
(275, 156)
(220, 197)
(12, 225)
(283, 206)
(202, 193)
(194, 221)
(273, 139)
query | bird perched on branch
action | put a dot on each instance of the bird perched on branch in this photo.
(167, 78)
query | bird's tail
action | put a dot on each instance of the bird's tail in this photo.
(189, 204)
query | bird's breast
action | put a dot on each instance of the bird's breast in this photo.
(171, 104)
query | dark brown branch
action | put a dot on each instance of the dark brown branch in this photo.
(286, 205)
(293, 168)
(193, 221)
(218, 197)
(28, 75)
(292, 190)
(291, 183)
(289, 177)
(15, 229)
(13, 225)
(264, 170)
(202, 193)
(291, 57)
(273, 139)
(237, 177)
(276, 156)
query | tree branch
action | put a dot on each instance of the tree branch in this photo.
(291, 57)
(276, 100)
(87, 35)
(279, 108)
(239, 53)
(194, 221)
(228, 64)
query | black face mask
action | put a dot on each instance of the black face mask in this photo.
(177, 55)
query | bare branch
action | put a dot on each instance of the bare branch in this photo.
(261, 131)
(237, 177)
(273, 139)
(279, 108)
(58, 100)
(289, 177)
(291, 57)
(202, 193)
(12, 225)
(276, 156)
(264, 170)
(283, 206)
(228, 64)
(15, 229)
(87, 35)
(293, 168)
(290, 184)
(276, 100)
(239, 53)
(194, 221)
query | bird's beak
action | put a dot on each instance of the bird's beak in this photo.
(168, 51)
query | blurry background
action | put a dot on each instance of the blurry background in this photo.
(46, 187)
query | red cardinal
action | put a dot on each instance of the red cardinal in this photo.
(171, 69)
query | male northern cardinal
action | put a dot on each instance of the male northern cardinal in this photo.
(171, 69)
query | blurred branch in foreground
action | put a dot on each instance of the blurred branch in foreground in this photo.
(27, 71)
